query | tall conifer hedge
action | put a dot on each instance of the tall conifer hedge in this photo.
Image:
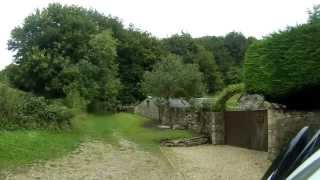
(285, 67)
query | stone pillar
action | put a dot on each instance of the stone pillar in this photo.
(273, 134)
(217, 134)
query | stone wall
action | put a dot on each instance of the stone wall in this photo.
(147, 108)
(284, 125)
(207, 123)
(218, 130)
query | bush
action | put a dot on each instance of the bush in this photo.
(98, 106)
(73, 100)
(21, 110)
(227, 93)
(9, 100)
(284, 67)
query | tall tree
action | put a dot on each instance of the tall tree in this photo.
(137, 52)
(64, 47)
(211, 72)
(228, 52)
(192, 52)
(236, 43)
(171, 78)
(222, 56)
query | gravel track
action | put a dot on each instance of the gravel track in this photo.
(100, 161)
(209, 162)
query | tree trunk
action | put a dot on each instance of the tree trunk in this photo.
(160, 113)
(169, 112)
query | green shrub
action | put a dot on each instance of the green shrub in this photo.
(9, 100)
(21, 110)
(74, 101)
(98, 106)
(59, 115)
(227, 93)
(284, 67)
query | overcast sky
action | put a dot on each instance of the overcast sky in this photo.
(165, 17)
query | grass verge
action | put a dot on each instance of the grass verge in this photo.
(24, 147)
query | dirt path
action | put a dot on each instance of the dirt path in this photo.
(97, 160)
(100, 161)
(210, 162)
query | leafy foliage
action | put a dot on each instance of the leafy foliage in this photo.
(236, 43)
(137, 53)
(21, 110)
(171, 78)
(228, 53)
(4, 77)
(225, 95)
(192, 52)
(314, 14)
(284, 66)
(62, 48)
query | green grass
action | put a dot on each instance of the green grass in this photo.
(24, 147)
(130, 127)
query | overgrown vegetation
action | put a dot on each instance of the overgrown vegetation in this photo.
(284, 66)
(21, 110)
(23, 147)
(225, 95)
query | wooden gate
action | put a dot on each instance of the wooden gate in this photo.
(248, 129)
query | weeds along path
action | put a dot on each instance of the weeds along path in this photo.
(98, 160)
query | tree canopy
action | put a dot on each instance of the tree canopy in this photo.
(64, 51)
(192, 52)
(171, 78)
(137, 53)
(62, 48)
(228, 53)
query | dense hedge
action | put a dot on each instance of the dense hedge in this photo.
(21, 110)
(285, 67)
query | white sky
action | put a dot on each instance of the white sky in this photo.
(165, 17)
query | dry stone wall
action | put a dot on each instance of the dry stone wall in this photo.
(207, 123)
(147, 108)
(284, 125)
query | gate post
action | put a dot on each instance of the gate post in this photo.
(218, 130)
